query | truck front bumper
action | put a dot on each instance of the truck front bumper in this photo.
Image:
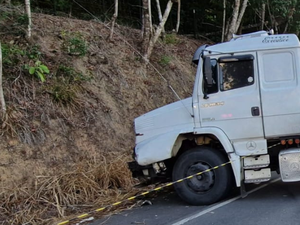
(136, 169)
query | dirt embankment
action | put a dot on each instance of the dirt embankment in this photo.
(65, 141)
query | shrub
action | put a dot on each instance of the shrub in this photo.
(33, 52)
(70, 75)
(66, 84)
(39, 70)
(171, 39)
(11, 54)
(165, 60)
(74, 44)
(63, 93)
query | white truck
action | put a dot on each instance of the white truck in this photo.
(245, 109)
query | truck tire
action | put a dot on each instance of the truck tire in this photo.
(208, 187)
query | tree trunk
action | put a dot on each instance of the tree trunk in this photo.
(71, 8)
(146, 27)
(159, 10)
(113, 20)
(237, 16)
(28, 11)
(263, 15)
(290, 16)
(2, 101)
(178, 16)
(272, 18)
(195, 23)
(158, 31)
(241, 15)
(150, 16)
(234, 18)
(160, 17)
(224, 20)
(142, 19)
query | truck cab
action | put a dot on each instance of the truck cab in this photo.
(243, 119)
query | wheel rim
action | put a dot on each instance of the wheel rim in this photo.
(202, 182)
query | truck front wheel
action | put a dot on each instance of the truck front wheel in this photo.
(207, 188)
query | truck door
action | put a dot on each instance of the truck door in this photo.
(280, 91)
(232, 101)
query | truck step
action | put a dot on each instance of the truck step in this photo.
(253, 162)
(257, 176)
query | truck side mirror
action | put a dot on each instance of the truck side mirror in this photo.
(208, 72)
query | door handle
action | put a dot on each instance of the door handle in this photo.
(255, 111)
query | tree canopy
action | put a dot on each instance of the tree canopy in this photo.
(199, 18)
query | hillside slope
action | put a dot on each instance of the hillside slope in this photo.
(65, 142)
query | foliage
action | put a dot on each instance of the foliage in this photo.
(33, 52)
(171, 39)
(22, 19)
(165, 60)
(282, 13)
(14, 55)
(74, 43)
(63, 93)
(13, 20)
(4, 15)
(62, 5)
(11, 54)
(66, 83)
(282, 8)
(39, 70)
(23, 58)
(204, 17)
(69, 75)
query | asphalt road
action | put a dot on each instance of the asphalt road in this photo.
(275, 203)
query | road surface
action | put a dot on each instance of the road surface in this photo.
(275, 203)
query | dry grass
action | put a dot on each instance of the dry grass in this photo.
(88, 185)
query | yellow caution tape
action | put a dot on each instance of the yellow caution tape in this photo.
(142, 194)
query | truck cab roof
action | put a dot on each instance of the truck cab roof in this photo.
(254, 42)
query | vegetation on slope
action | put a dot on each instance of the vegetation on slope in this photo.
(71, 99)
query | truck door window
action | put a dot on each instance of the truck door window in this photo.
(214, 87)
(236, 72)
